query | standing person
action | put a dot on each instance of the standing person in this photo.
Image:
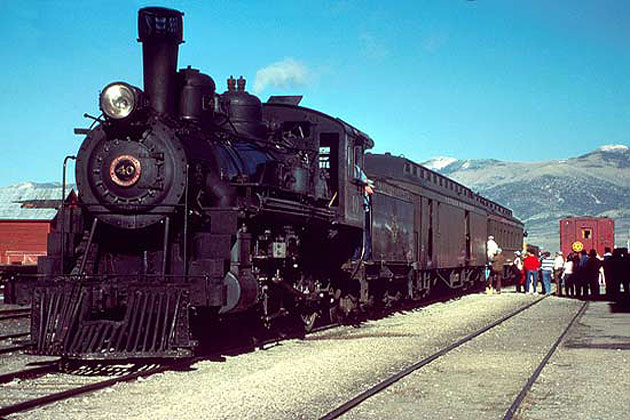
(546, 267)
(498, 264)
(580, 280)
(531, 265)
(558, 266)
(491, 250)
(517, 269)
(624, 274)
(609, 278)
(591, 274)
(569, 286)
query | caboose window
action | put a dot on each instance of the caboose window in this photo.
(407, 167)
(586, 233)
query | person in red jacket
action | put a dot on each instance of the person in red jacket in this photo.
(531, 266)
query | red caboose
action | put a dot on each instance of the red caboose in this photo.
(577, 233)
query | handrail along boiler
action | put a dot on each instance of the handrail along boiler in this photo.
(196, 206)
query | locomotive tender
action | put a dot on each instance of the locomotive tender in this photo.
(196, 206)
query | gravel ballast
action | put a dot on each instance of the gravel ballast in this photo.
(481, 378)
(304, 379)
(297, 378)
(589, 376)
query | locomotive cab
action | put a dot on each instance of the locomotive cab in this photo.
(340, 149)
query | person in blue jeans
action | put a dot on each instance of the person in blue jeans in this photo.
(546, 267)
(531, 264)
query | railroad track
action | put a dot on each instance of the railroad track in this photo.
(376, 389)
(15, 313)
(36, 383)
(13, 347)
(15, 335)
(73, 382)
(528, 385)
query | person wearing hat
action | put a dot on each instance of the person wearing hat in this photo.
(491, 248)
(558, 265)
(517, 270)
(498, 264)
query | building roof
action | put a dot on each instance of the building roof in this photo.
(30, 201)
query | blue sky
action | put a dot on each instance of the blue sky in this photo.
(511, 80)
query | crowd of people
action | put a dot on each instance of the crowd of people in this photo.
(579, 275)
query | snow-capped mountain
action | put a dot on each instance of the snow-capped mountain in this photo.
(439, 162)
(541, 193)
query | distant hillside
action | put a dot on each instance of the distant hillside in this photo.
(541, 193)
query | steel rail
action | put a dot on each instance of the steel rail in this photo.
(59, 396)
(344, 408)
(509, 414)
(63, 395)
(16, 316)
(12, 348)
(15, 311)
(30, 372)
(16, 335)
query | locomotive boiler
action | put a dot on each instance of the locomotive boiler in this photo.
(196, 206)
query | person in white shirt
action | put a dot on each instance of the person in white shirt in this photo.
(491, 248)
(520, 279)
(558, 265)
(569, 281)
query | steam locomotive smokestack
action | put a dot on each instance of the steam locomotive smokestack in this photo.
(160, 30)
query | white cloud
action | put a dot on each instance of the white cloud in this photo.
(282, 74)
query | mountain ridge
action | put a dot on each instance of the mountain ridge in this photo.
(541, 193)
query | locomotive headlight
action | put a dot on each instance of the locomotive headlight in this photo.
(119, 100)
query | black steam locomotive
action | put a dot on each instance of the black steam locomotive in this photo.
(196, 206)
